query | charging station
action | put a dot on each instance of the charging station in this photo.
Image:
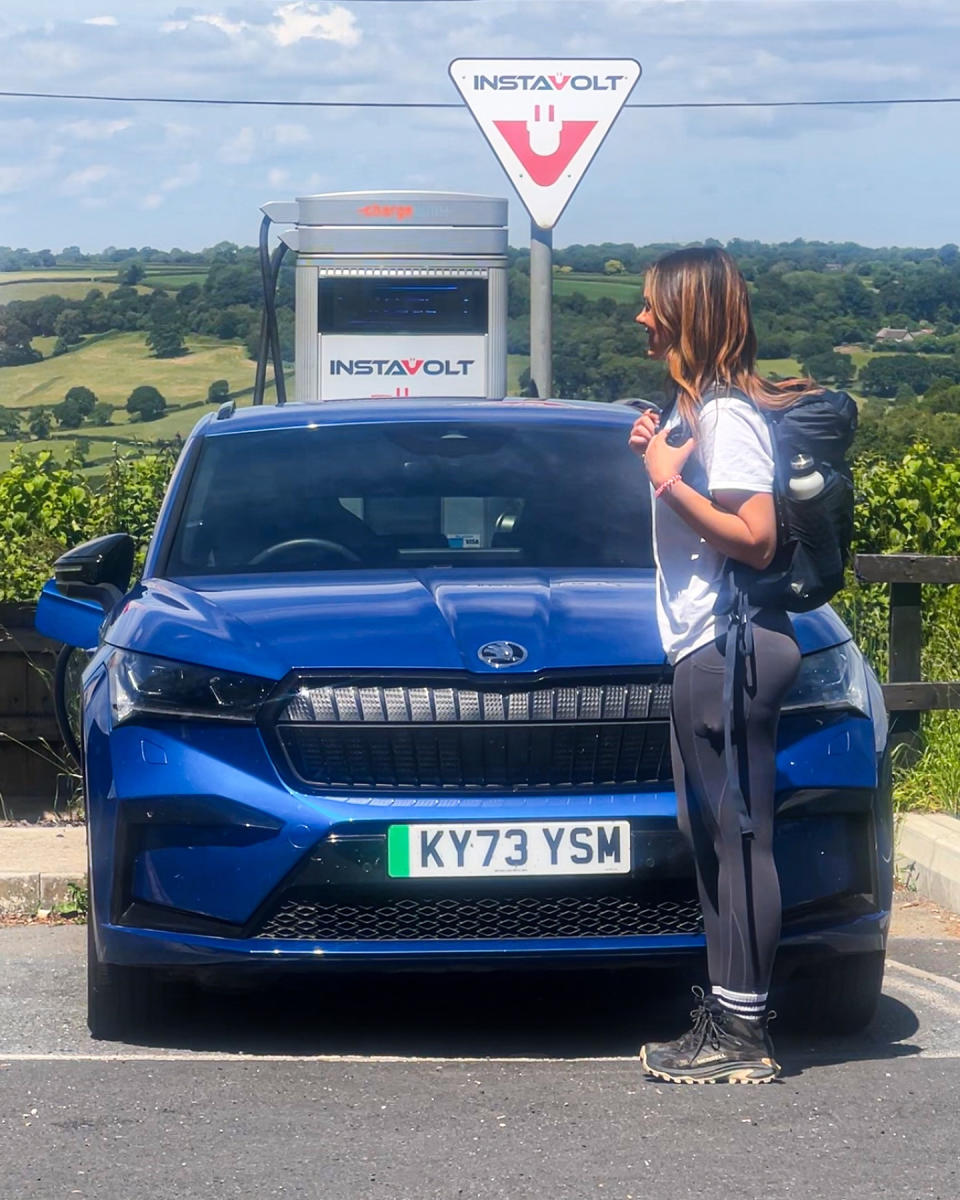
(398, 294)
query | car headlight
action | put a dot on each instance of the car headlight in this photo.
(833, 678)
(141, 685)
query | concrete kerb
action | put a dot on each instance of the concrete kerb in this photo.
(928, 857)
(24, 894)
(40, 866)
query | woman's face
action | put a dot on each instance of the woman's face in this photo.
(645, 317)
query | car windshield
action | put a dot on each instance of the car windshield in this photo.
(452, 493)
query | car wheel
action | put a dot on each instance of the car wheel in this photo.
(120, 1000)
(67, 698)
(841, 997)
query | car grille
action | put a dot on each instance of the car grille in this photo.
(413, 918)
(514, 737)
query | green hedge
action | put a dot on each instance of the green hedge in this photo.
(46, 507)
(912, 506)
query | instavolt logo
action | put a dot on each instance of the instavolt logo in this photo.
(401, 366)
(548, 83)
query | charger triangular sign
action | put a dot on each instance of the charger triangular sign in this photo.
(545, 119)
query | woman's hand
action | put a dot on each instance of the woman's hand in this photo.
(663, 460)
(644, 427)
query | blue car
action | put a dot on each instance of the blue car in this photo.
(389, 693)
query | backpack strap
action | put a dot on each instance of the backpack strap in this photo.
(739, 647)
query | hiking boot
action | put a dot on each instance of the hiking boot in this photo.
(720, 1048)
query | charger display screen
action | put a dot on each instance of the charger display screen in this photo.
(415, 305)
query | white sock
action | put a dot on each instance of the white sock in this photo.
(750, 1006)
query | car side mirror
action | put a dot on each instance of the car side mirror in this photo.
(98, 570)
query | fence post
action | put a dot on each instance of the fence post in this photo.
(906, 641)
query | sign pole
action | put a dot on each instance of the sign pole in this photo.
(541, 309)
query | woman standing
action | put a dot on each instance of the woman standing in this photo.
(711, 469)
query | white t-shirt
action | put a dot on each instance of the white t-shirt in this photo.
(734, 452)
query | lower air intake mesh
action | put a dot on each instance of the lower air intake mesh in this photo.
(478, 917)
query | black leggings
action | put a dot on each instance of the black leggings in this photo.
(736, 876)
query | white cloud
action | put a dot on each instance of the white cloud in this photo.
(276, 177)
(230, 28)
(174, 26)
(175, 133)
(152, 201)
(95, 131)
(761, 73)
(185, 177)
(239, 148)
(94, 203)
(300, 20)
(87, 177)
(20, 130)
(292, 23)
(101, 21)
(291, 135)
(15, 179)
(48, 58)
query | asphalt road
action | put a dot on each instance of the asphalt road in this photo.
(450, 1087)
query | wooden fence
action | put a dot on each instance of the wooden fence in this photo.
(905, 693)
(30, 745)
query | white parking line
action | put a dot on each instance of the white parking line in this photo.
(929, 976)
(937, 998)
(239, 1056)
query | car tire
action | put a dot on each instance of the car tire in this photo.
(69, 666)
(121, 1000)
(841, 997)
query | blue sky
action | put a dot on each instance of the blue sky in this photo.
(95, 174)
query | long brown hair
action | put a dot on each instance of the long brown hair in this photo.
(700, 302)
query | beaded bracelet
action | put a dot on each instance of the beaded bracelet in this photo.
(666, 486)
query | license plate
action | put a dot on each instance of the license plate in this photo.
(518, 848)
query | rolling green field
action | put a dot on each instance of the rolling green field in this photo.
(44, 344)
(112, 365)
(75, 289)
(625, 289)
(786, 368)
(74, 284)
(101, 439)
(172, 281)
(115, 363)
(56, 275)
(859, 356)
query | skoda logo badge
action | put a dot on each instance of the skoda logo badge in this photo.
(502, 654)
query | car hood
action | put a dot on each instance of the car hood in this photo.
(435, 619)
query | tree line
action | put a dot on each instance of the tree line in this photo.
(812, 302)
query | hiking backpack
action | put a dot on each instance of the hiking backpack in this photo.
(810, 442)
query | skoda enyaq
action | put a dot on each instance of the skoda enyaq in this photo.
(389, 691)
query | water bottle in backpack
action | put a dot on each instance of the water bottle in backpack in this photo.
(806, 481)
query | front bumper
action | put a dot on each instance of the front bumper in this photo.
(337, 905)
(253, 872)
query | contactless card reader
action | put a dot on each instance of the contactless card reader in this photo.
(398, 294)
